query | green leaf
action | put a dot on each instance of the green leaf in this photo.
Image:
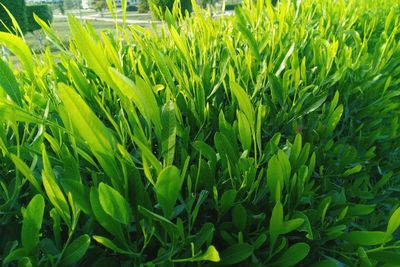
(353, 170)
(294, 255)
(239, 217)
(168, 134)
(227, 199)
(105, 220)
(276, 222)
(91, 50)
(275, 177)
(110, 244)
(244, 131)
(211, 254)
(91, 129)
(9, 84)
(80, 193)
(76, 250)
(141, 94)
(277, 93)
(388, 257)
(32, 222)
(394, 222)
(114, 204)
(26, 171)
(53, 191)
(168, 186)
(367, 238)
(16, 254)
(291, 225)
(243, 99)
(206, 151)
(21, 50)
(236, 253)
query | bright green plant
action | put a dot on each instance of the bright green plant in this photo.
(267, 138)
(44, 12)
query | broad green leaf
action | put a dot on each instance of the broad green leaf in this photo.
(21, 50)
(227, 199)
(80, 193)
(394, 222)
(105, 220)
(293, 255)
(367, 238)
(249, 37)
(364, 257)
(168, 186)
(276, 223)
(91, 50)
(26, 171)
(141, 94)
(114, 204)
(91, 129)
(76, 250)
(275, 177)
(239, 217)
(52, 189)
(277, 91)
(16, 254)
(389, 257)
(9, 83)
(236, 253)
(32, 222)
(206, 151)
(244, 131)
(243, 99)
(168, 134)
(291, 225)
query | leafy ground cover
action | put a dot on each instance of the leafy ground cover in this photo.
(268, 138)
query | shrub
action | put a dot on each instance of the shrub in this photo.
(44, 12)
(143, 6)
(131, 8)
(158, 7)
(231, 6)
(266, 138)
(18, 9)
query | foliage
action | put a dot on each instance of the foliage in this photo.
(143, 6)
(17, 9)
(267, 138)
(132, 8)
(99, 5)
(159, 7)
(44, 12)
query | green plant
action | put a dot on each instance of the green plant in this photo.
(17, 9)
(267, 138)
(44, 12)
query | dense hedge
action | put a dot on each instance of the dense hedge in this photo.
(267, 138)
(42, 11)
(18, 9)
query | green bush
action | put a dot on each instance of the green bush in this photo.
(143, 6)
(17, 8)
(267, 138)
(131, 8)
(44, 12)
(158, 7)
(231, 6)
